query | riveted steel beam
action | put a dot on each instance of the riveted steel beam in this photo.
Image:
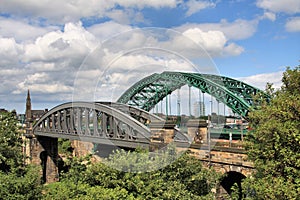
(146, 93)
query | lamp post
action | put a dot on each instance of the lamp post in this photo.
(209, 133)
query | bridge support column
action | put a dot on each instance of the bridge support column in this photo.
(44, 152)
(162, 133)
(197, 129)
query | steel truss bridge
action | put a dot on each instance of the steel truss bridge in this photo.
(126, 122)
(146, 93)
(102, 122)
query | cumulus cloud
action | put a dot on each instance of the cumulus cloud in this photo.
(21, 30)
(260, 80)
(61, 60)
(108, 29)
(293, 24)
(73, 42)
(214, 42)
(269, 15)
(10, 52)
(237, 30)
(47, 64)
(194, 6)
(57, 11)
(287, 6)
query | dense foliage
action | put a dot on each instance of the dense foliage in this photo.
(274, 145)
(17, 181)
(10, 143)
(185, 178)
(169, 177)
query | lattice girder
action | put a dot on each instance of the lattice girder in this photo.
(146, 93)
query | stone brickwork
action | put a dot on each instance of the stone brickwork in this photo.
(44, 153)
(161, 134)
(224, 161)
(197, 130)
(82, 148)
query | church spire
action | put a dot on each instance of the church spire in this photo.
(28, 106)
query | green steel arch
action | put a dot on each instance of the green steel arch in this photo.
(147, 92)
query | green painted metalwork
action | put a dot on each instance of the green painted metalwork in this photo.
(149, 91)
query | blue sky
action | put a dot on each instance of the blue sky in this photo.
(48, 46)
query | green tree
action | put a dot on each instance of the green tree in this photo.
(17, 181)
(274, 143)
(25, 186)
(11, 157)
(184, 178)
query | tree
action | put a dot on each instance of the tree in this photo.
(274, 143)
(17, 181)
(25, 186)
(117, 178)
(11, 157)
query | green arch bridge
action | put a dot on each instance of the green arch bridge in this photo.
(237, 95)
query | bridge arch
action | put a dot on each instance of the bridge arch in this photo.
(231, 178)
(95, 122)
(147, 92)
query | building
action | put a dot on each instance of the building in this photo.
(32, 115)
(199, 109)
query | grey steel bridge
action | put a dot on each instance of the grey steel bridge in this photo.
(125, 123)
(103, 123)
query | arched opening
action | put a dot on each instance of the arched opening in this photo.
(44, 157)
(230, 179)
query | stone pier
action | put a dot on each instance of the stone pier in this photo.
(197, 130)
(44, 153)
(162, 133)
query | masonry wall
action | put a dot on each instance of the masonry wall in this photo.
(44, 153)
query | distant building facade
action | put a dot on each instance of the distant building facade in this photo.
(31, 115)
(199, 109)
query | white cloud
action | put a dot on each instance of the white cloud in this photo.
(108, 29)
(142, 4)
(214, 42)
(210, 40)
(21, 30)
(195, 5)
(9, 52)
(58, 11)
(55, 10)
(237, 30)
(260, 80)
(269, 15)
(73, 43)
(286, 6)
(293, 24)
(50, 62)
(233, 49)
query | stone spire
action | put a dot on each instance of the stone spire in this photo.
(28, 107)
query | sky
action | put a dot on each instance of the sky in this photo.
(95, 50)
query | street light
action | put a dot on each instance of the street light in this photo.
(209, 133)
